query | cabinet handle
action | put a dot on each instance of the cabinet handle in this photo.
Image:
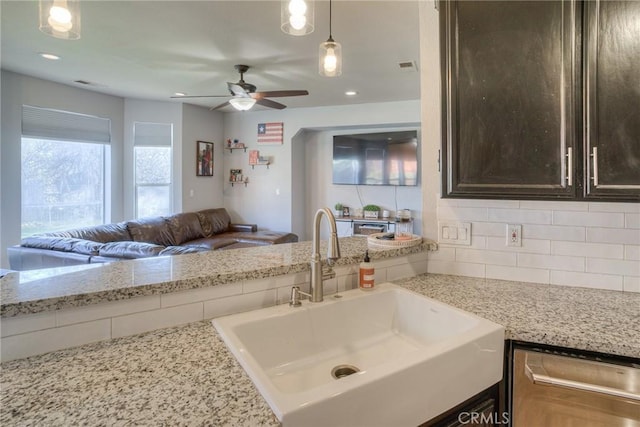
(569, 166)
(594, 155)
(538, 375)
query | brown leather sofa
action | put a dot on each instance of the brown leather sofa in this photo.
(182, 233)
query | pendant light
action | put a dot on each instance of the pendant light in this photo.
(296, 17)
(242, 104)
(330, 64)
(60, 18)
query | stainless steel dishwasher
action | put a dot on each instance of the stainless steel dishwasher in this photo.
(570, 391)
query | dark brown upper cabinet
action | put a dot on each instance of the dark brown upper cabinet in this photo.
(520, 113)
(612, 99)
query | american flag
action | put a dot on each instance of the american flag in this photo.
(270, 133)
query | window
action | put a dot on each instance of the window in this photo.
(63, 157)
(152, 153)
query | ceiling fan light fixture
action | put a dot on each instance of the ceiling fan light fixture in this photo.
(60, 18)
(297, 17)
(242, 104)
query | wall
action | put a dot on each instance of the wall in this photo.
(18, 90)
(269, 199)
(565, 243)
(201, 192)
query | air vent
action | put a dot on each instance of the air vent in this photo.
(407, 66)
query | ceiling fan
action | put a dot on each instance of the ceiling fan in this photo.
(244, 94)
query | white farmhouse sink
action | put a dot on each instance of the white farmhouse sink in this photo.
(415, 357)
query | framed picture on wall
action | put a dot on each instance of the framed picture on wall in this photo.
(204, 158)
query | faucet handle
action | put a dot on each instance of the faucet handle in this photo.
(328, 272)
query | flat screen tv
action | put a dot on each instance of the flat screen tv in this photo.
(382, 158)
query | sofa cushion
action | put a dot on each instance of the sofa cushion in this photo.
(179, 250)
(184, 227)
(210, 243)
(214, 221)
(63, 244)
(130, 250)
(100, 233)
(151, 230)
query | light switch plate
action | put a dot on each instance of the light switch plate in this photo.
(454, 233)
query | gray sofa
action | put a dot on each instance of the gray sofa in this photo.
(182, 233)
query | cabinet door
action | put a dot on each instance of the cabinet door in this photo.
(509, 88)
(344, 228)
(612, 107)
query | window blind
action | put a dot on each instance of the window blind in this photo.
(45, 123)
(152, 134)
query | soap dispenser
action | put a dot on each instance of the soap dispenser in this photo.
(367, 273)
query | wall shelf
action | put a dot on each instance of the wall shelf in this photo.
(261, 164)
(236, 148)
(238, 182)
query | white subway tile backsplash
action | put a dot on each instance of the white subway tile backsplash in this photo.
(553, 262)
(443, 254)
(520, 216)
(406, 270)
(614, 207)
(611, 266)
(26, 323)
(534, 275)
(462, 214)
(381, 275)
(589, 219)
(384, 263)
(196, 295)
(554, 205)
(239, 303)
(106, 310)
(494, 229)
(554, 232)
(456, 268)
(485, 257)
(632, 252)
(528, 245)
(586, 280)
(631, 284)
(632, 220)
(44, 341)
(610, 235)
(595, 250)
(347, 282)
(131, 324)
(484, 203)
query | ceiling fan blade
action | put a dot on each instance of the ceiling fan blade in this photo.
(237, 90)
(279, 93)
(269, 103)
(201, 96)
(224, 104)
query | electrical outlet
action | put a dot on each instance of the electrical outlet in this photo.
(514, 235)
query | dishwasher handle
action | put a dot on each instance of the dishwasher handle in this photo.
(538, 375)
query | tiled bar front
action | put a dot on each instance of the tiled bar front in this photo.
(46, 330)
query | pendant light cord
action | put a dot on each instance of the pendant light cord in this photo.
(330, 36)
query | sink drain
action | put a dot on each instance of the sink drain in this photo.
(341, 371)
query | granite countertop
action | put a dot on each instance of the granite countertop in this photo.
(54, 289)
(186, 375)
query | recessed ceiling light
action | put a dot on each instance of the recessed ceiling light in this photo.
(179, 94)
(351, 93)
(50, 56)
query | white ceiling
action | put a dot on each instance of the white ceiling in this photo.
(152, 49)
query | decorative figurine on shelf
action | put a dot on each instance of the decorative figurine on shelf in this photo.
(228, 142)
